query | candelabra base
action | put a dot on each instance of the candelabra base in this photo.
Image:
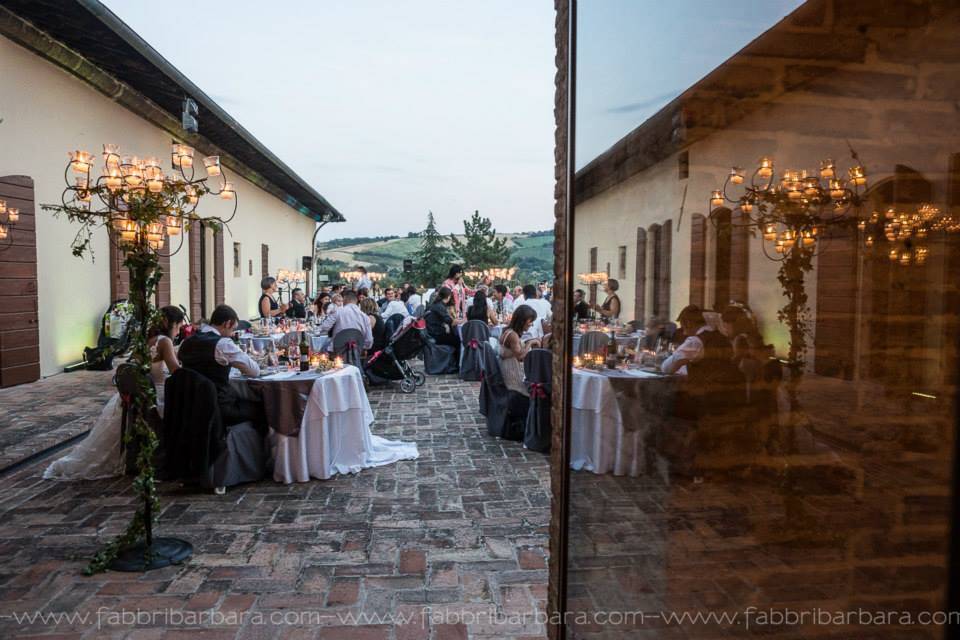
(163, 553)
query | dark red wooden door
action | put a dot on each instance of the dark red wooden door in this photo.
(19, 329)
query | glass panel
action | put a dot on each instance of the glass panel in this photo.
(763, 404)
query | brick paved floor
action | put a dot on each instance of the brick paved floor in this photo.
(455, 540)
(36, 416)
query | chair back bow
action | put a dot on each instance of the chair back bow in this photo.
(538, 390)
(474, 343)
(351, 344)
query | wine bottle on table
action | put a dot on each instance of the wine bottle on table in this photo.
(304, 352)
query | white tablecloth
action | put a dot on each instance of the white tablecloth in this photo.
(335, 434)
(598, 441)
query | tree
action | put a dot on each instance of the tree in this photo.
(480, 248)
(433, 259)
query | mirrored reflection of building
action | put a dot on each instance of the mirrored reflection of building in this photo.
(825, 493)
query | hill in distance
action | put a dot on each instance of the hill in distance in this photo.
(531, 252)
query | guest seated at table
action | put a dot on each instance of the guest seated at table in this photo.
(362, 292)
(502, 304)
(212, 353)
(542, 307)
(610, 309)
(513, 349)
(298, 305)
(440, 323)
(349, 316)
(414, 299)
(336, 300)
(377, 326)
(481, 309)
(393, 305)
(581, 310)
(705, 352)
(321, 303)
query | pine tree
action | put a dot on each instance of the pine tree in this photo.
(480, 249)
(432, 260)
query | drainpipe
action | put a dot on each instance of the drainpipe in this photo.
(313, 260)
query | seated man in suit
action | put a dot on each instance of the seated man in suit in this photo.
(211, 352)
(298, 304)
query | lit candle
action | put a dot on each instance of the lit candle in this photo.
(111, 156)
(3, 206)
(770, 232)
(811, 186)
(13, 215)
(905, 258)
(174, 225)
(766, 167)
(858, 175)
(869, 241)
(893, 255)
(716, 198)
(182, 156)
(746, 206)
(338, 363)
(862, 225)
(3, 232)
(808, 238)
(113, 180)
(736, 175)
(155, 181)
(212, 163)
(836, 189)
(920, 255)
(228, 192)
(827, 169)
(80, 161)
(129, 231)
(191, 194)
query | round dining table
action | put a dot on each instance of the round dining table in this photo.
(612, 414)
(320, 424)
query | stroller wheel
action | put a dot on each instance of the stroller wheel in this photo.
(408, 385)
(419, 378)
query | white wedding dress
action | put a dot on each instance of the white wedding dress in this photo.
(98, 455)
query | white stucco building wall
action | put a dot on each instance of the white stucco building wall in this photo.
(47, 112)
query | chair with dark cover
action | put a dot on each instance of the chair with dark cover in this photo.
(198, 447)
(593, 342)
(505, 410)
(127, 384)
(538, 371)
(393, 323)
(474, 334)
(349, 344)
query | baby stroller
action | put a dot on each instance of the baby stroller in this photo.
(390, 363)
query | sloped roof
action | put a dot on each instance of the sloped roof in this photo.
(90, 41)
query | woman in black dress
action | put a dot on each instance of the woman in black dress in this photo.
(440, 324)
(610, 309)
(269, 308)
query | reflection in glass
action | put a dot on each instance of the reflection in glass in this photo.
(768, 250)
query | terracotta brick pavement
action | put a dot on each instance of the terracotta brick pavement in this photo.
(452, 545)
(37, 416)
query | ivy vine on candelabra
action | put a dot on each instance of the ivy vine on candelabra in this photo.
(143, 210)
(792, 214)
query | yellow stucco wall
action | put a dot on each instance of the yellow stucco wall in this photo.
(47, 112)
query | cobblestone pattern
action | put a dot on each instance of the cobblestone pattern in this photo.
(456, 541)
(42, 414)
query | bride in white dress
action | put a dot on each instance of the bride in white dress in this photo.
(98, 455)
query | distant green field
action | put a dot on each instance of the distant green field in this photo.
(532, 254)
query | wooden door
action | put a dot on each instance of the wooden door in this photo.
(19, 328)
